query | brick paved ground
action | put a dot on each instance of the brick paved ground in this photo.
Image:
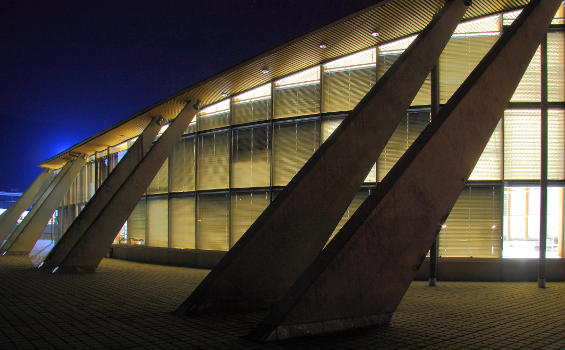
(127, 305)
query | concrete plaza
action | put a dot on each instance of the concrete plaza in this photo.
(127, 305)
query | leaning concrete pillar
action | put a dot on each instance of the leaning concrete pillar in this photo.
(29, 230)
(92, 245)
(360, 277)
(9, 218)
(296, 226)
(103, 195)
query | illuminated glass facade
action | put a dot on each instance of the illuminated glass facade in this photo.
(240, 152)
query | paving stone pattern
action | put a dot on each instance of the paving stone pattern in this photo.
(126, 305)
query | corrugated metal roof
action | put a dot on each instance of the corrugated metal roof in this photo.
(394, 20)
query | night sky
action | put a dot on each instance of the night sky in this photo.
(72, 69)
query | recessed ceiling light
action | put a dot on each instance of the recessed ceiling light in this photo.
(323, 45)
(225, 94)
(375, 33)
(265, 70)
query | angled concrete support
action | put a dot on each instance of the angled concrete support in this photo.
(9, 218)
(295, 227)
(103, 196)
(89, 249)
(23, 238)
(361, 276)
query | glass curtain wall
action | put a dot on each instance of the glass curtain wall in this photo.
(239, 153)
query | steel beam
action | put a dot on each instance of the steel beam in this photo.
(294, 228)
(92, 245)
(360, 277)
(9, 218)
(29, 230)
(103, 196)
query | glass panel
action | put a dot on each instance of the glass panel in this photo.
(474, 225)
(522, 222)
(555, 66)
(182, 212)
(489, 166)
(555, 145)
(250, 157)
(355, 203)
(347, 80)
(182, 165)
(212, 221)
(245, 209)
(459, 58)
(136, 224)
(298, 94)
(160, 183)
(328, 127)
(253, 105)
(529, 89)
(388, 53)
(157, 222)
(213, 155)
(214, 116)
(405, 133)
(521, 144)
(558, 18)
(293, 144)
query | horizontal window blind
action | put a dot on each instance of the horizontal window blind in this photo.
(253, 105)
(555, 144)
(182, 213)
(160, 183)
(529, 88)
(405, 133)
(213, 160)
(245, 209)
(489, 166)
(212, 221)
(555, 66)
(355, 203)
(182, 165)
(214, 116)
(347, 80)
(157, 222)
(521, 144)
(473, 228)
(328, 127)
(250, 165)
(293, 144)
(136, 223)
(298, 94)
(459, 58)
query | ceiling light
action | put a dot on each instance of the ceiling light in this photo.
(225, 94)
(375, 33)
(265, 70)
(323, 45)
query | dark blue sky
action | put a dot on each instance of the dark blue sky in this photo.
(71, 69)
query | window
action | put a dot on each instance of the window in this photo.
(214, 116)
(250, 157)
(245, 209)
(136, 224)
(157, 222)
(298, 94)
(293, 144)
(182, 165)
(253, 105)
(489, 165)
(473, 228)
(182, 220)
(213, 154)
(347, 80)
(212, 221)
(160, 183)
(522, 222)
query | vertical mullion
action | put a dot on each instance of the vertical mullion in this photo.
(434, 94)
(543, 166)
